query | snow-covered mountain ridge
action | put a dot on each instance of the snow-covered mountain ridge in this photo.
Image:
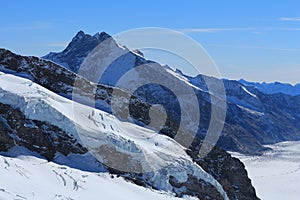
(273, 88)
(38, 103)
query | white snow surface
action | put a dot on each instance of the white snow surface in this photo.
(249, 92)
(254, 112)
(96, 128)
(31, 177)
(276, 174)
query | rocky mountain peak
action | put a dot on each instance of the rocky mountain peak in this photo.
(82, 44)
(87, 40)
(101, 36)
(80, 34)
(77, 50)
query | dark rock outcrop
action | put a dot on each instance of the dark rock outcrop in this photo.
(228, 171)
(38, 136)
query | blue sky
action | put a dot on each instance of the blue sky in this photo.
(255, 40)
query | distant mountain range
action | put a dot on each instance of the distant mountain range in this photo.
(273, 88)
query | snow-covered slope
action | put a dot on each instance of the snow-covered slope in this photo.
(276, 174)
(32, 178)
(273, 88)
(156, 156)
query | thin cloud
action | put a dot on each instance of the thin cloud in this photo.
(290, 19)
(281, 29)
(213, 30)
(53, 44)
(36, 26)
(253, 30)
(255, 47)
(59, 44)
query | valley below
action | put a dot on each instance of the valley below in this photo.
(275, 174)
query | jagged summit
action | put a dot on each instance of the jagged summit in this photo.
(82, 44)
(81, 35)
(78, 49)
(102, 36)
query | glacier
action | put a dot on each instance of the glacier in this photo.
(276, 174)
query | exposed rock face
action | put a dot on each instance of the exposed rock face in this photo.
(38, 136)
(229, 171)
(197, 188)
